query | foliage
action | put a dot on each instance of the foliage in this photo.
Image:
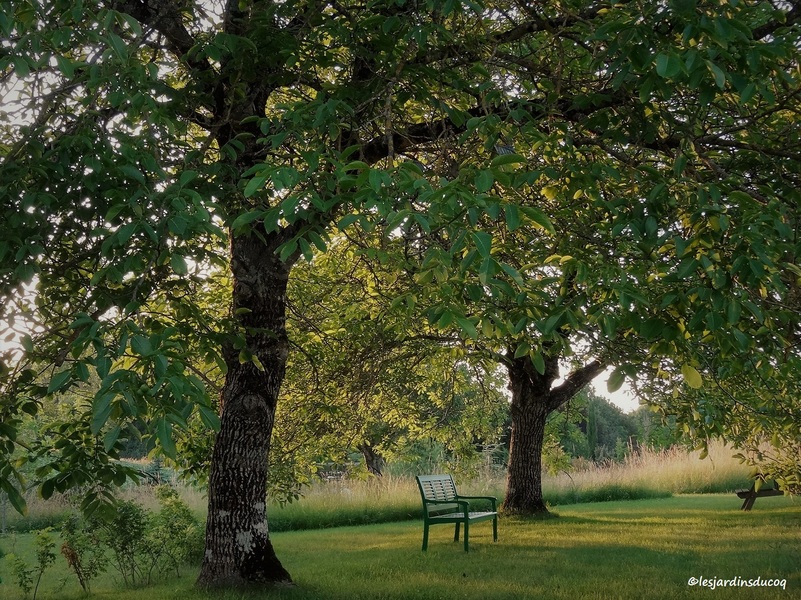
(142, 544)
(174, 536)
(22, 573)
(29, 578)
(84, 555)
(609, 181)
(124, 536)
(759, 412)
(361, 379)
(45, 555)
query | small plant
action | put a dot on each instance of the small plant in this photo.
(28, 578)
(82, 551)
(45, 555)
(124, 536)
(172, 533)
(21, 573)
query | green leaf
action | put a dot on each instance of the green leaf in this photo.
(483, 181)
(616, 380)
(507, 159)
(111, 437)
(513, 273)
(467, 327)
(512, 216)
(539, 363)
(254, 185)
(178, 264)
(733, 311)
(317, 240)
(16, 499)
(58, 380)
(164, 433)
(132, 172)
(691, 376)
(539, 218)
(119, 45)
(209, 417)
(187, 177)
(523, 349)
(347, 221)
(668, 65)
(47, 489)
(141, 345)
(652, 328)
(553, 322)
(246, 219)
(717, 73)
(483, 242)
(101, 411)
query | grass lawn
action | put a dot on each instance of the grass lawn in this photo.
(629, 549)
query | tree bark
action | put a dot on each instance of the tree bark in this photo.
(524, 475)
(238, 547)
(372, 459)
(533, 399)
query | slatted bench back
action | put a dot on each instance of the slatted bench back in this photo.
(440, 488)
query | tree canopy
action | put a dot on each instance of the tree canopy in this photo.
(613, 182)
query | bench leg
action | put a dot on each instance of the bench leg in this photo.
(495, 529)
(425, 537)
(466, 533)
(456, 532)
(749, 501)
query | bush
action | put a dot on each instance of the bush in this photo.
(84, 555)
(172, 534)
(144, 544)
(29, 578)
(124, 535)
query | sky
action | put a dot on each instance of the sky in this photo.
(623, 398)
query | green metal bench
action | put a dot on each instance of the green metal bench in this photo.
(442, 504)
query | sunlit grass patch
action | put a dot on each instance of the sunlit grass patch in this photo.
(644, 549)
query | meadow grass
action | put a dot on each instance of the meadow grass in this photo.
(644, 549)
(647, 474)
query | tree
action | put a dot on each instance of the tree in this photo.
(635, 217)
(378, 380)
(153, 140)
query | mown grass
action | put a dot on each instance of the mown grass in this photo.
(645, 549)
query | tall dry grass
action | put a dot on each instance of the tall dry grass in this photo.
(646, 474)
(649, 473)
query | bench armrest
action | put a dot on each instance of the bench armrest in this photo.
(463, 504)
(491, 499)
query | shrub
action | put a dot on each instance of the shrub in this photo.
(21, 573)
(124, 535)
(82, 551)
(172, 534)
(29, 578)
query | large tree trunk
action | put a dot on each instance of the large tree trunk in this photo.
(533, 399)
(238, 547)
(524, 475)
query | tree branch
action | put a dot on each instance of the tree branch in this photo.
(165, 17)
(574, 382)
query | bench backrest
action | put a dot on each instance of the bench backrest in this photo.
(437, 487)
